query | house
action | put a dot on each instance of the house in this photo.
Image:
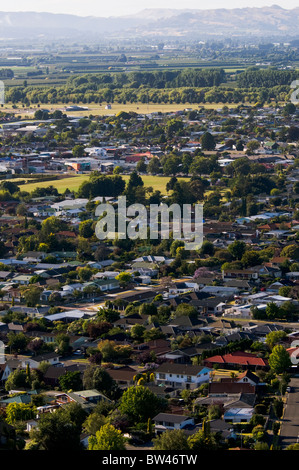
(159, 347)
(8, 367)
(92, 396)
(53, 373)
(19, 397)
(34, 362)
(225, 388)
(229, 400)
(123, 376)
(34, 256)
(88, 399)
(220, 291)
(238, 359)
(167, 421)
(240, 274)
(22, 279)
(248, 377)
(105, 284)
(238, 415)
(69, 315)
(186, 355)
(182, 376)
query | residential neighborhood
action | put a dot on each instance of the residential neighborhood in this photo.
(114, 333)
(205, 339)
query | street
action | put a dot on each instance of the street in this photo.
(290, 424)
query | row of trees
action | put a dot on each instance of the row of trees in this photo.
(267, 78)
(155, 79)
(211, 94)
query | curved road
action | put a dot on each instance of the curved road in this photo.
(289, 433)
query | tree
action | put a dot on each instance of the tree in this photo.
(141, 166)
(250, 258)
(278, 407)
(289, 109)
(19, 412)
(85, 274)
(10, 186)
(17, 342)
(52, 225)
(78, 151)
(70, 381)
(154, 166)
(98, 378)
(203, 439)
(207, 141)
(94, 422)
(31, 294)
(21, 210)
(252, 146)
(174, 439)
(63, 344)
(16, 380)
(279, 359)
(237, 249)
(124, 278)
(140, 403)
(60, 431)
(185, 309)
(137, 332)
(107, 438)
(96, 329)
(86, 229)
(275, 337)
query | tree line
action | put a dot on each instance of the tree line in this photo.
(173, 86)
(267, 78)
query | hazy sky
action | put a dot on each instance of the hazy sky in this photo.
(126, 7)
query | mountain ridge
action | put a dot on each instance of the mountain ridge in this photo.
(273, 21)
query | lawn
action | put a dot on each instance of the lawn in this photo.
(72, 183)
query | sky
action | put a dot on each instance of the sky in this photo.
(127, 7)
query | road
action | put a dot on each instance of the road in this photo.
(289, 433)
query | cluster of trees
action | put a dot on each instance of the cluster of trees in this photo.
(274, 312)
(99, 185)
(156, 79)
(266, 78)
(6, 73)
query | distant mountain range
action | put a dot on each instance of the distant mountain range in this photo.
(268, 22)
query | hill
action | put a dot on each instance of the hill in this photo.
(266, 22)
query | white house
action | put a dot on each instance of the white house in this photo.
(167, 421)
(182, 376)
(238, 415)
(34, 362)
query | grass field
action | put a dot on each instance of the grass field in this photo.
(98, 110)
(72, 183)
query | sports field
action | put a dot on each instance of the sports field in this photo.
(158, 183)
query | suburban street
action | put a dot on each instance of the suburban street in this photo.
(290, 425)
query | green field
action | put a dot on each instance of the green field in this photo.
(98, 110)
(158, 183)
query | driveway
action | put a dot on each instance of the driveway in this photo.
(289, 433)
